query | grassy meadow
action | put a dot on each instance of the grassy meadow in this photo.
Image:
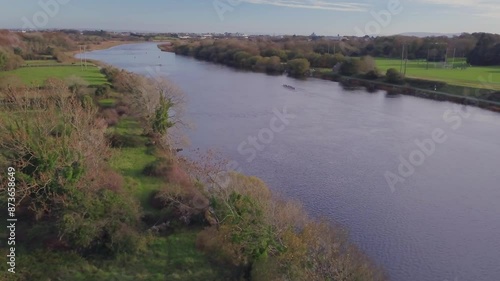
(475, 77)
(35, 72)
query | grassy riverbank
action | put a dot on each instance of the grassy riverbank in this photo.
(475, 77)
(35, 74)
(459, 83)
(110, 199)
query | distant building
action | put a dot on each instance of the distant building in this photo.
(336, 38)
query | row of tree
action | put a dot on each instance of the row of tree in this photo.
(487, 50)
(230, 53)
(252, 57)
(479, 48)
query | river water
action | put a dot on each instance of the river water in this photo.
(339, 152)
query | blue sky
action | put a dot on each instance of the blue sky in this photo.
(325, 17)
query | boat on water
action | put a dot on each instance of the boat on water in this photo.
(289, 87)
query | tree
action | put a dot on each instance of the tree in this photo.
(393, 76)
(367, 64)
(161, 120)
(298, 67)
(486, 52)
(350, 67)
(3, 60)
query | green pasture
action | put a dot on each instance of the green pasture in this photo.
(40, 62)
(36, 75)
(474, 76)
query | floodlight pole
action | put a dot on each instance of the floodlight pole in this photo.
(428, 54)
(446, 56)
(85, 55)
(402, 58)
(82, 56)
(453, 62)
(406, 61)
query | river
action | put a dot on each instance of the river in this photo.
(339, 151)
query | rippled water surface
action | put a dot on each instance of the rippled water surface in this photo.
(441, 223)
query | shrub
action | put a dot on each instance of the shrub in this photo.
(103, 222)
(187, 204)
(372, 75)
(160, 168)
(110, 180)
(298, 67)
(102, 90)
(350, 67)
(110, 116)
(122, 110)
(118, 140)
(393, 76)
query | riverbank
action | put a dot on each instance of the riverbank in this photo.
(472, 96)
(102, 46)
(487, 96)
(157, 204)
(333, 155)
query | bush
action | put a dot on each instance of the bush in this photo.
(298, 67)
(186, 204)
(122, 110)
(350, 67)
(393, 76)
(103, 222)
(118, 140)
(372, 75)
(110, 180)
(159, 168)
(111, 116)
(9, 60)
(102, 90)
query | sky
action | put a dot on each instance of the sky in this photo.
(324, 17)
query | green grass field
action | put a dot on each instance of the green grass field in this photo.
(40, 62)
(476, 77)
(36, 75)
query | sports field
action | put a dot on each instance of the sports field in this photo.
(35, 75)
(475, 77)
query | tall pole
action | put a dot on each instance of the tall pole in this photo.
(85, 55)
(402, 58)
(428, 54)
(406, 61)
(446, 56)
(453, 62)
(81, 57)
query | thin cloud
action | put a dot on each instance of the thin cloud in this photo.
(488, 8)
(314, 4)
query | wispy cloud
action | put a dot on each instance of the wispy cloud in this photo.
(490, 8)
(315, 4)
